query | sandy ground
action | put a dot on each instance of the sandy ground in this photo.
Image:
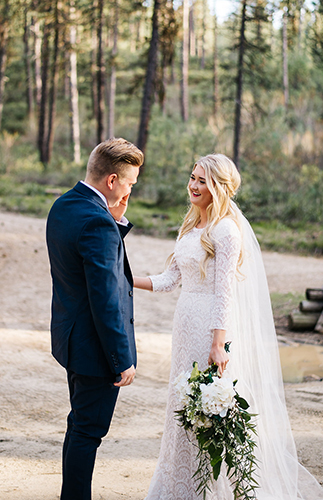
(33, 391)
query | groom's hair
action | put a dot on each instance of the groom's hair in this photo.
(113, 156)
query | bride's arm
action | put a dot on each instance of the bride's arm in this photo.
(227, 251)
(143, 283)
(168, 280)
(164, 282)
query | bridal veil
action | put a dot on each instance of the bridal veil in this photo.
(255, 362)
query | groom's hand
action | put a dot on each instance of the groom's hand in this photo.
(118, 212)
(126, 377)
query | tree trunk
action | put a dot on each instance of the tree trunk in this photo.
(75, 121)
(215, 67)
(113, 72)
(311, 306)
(185, 59)
(192, 32)
(315, 294)
(53, 88)
(300, 25)
(138, 32)
(302, 321)
(132, 36)
(100, 74)
(237, 121)
(149, 82)
(285, 61)
(162, 88)
(29, 80)
(319, 325)
(38, 57)
(67, 64)
(172, 72)
(94, 93)
(203, 33)
(4, 31)
(44, 93)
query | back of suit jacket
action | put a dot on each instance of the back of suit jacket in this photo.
(92, 306)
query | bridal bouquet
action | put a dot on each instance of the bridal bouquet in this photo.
(218, 417)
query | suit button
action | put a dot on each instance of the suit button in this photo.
(132, 321)
(130, 293)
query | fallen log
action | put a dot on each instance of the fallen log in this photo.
(311, 306)
(298, 320)
(314, 294)
(319, 325)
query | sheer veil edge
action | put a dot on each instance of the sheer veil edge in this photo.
(255, 362)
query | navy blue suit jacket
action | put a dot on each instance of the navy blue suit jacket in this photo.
(92, 305)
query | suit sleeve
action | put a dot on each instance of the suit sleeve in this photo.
(100, 246)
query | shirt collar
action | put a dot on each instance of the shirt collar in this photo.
(97, 192)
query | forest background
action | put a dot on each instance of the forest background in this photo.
(166, 75)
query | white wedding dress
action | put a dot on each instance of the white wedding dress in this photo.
(241, 307)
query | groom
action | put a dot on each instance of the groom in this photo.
(92, 305)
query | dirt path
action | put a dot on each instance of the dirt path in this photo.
(33, 391)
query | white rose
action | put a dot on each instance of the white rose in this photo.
(217, 397)
(182, 387)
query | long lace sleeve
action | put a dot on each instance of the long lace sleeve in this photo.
(227, 250)
(168, 280)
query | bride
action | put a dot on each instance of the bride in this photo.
(225, 297)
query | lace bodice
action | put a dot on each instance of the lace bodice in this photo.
(219, 274)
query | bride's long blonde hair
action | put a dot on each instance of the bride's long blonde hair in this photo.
(222, 180)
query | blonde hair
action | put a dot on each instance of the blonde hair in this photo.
(113, 156)
(222, 180)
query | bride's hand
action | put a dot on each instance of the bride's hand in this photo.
(218, 355)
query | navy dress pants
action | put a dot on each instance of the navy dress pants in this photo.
(93, 401)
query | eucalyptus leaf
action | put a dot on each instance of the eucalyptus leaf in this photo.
(216, 469)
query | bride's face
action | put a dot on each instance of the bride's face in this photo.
(199, 193)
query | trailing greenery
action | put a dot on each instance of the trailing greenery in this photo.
(218, 418)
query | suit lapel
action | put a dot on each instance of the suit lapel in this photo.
(89, 193)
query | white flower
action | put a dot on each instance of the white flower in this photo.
(182, 387)
(217, 397)
(198, 423)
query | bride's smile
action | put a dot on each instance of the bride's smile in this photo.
(199, 193)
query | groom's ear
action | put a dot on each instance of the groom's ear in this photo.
(110, 180)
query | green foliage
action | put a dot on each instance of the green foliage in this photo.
(281, 163)
(149, 218)
(172, 150)
(300, 238)
(28, 197)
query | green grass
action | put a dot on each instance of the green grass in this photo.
(34, 195)
(26, 197)
(284, 303)
(153, 220)
(303, 239)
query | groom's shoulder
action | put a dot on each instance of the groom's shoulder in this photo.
(77, 208)
(80, 199)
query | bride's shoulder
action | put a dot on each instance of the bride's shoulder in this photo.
(227, 227)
